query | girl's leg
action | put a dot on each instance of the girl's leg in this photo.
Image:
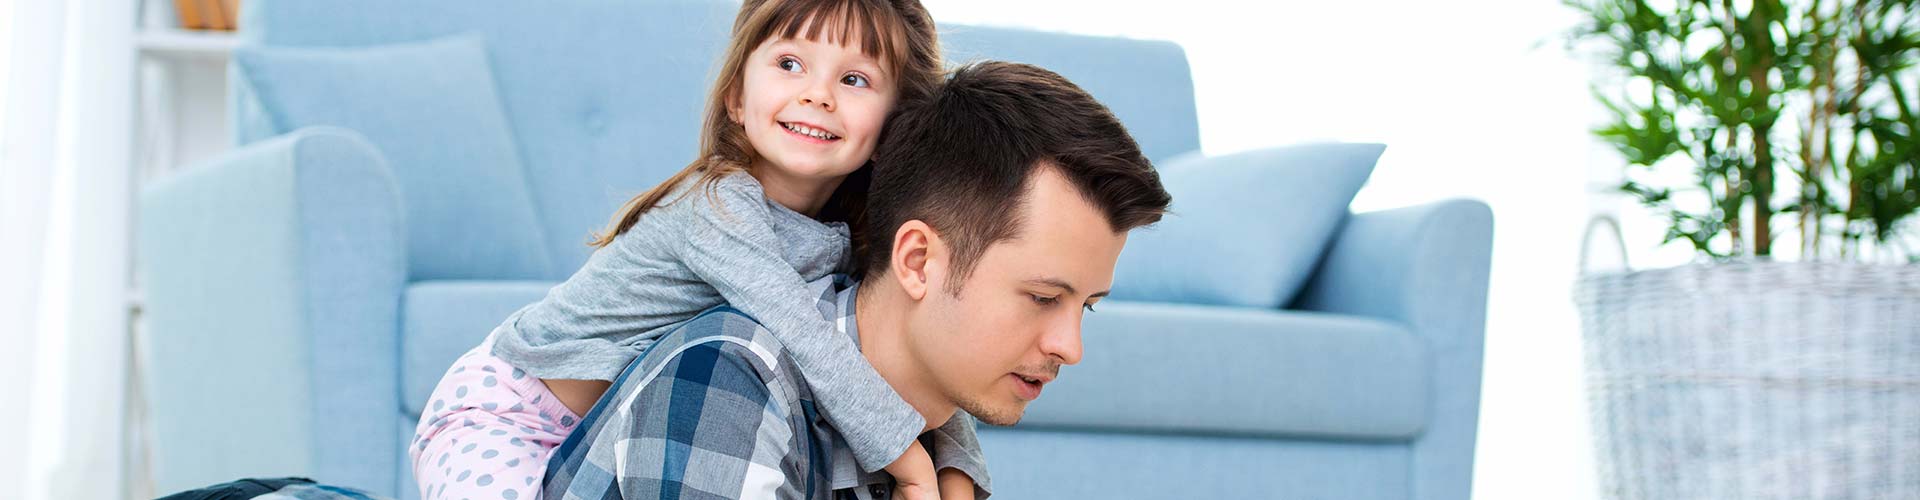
(487, 431)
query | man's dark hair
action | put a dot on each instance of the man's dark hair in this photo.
(962, 158)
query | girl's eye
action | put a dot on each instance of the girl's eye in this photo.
(790, 64)
(1045, 301)
(855, 80)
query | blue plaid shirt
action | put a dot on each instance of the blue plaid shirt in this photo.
(717, 409)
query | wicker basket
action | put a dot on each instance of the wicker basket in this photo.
(1755, 380)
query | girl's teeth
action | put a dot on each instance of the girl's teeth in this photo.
(810, 132)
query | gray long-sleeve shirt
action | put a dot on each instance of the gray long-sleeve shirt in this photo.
(696, 252)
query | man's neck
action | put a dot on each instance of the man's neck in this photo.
(880, 316)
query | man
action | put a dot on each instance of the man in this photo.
(998, 208)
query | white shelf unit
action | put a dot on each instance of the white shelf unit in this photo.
(174, 43)
(182, 102)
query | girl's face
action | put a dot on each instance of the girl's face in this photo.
(812, 110)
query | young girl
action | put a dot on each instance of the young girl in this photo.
(796, 108)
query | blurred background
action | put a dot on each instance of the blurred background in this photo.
(1474, 99)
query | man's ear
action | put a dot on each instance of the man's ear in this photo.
(918, 255)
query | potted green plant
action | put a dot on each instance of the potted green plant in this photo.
(1746, 375)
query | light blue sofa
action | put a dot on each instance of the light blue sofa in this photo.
(292, 331)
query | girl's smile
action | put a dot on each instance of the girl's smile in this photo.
(812, 110)
(810, 133)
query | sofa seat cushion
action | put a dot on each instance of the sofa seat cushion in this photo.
(440, 320)
(1148, 367)
(1075, 464)
(1171, 368)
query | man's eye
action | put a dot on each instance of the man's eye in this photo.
(855, 81)
(790, 64)
(1045, 301)
(1088, 307)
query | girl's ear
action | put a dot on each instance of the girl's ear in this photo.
(733, 106)
(919, 257)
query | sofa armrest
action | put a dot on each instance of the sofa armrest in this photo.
(273, 277)
(1424, 266)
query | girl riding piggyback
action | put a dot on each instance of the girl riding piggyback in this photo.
(794, 114)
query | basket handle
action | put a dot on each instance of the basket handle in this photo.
(1586, 240)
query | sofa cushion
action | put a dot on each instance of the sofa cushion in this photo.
(1247, 229)
(1146, 83)
(624, 116)
(430, 108)
(1170, 368)
(440, 320)
(1268, 373)
(604, 98)
(1104, 465)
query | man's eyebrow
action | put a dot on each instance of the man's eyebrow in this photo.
(1062, 284)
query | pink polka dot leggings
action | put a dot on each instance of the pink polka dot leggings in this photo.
(487, 431)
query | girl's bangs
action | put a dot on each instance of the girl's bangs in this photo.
(840, 22)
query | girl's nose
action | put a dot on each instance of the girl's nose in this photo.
(817, 94)
(824, 103)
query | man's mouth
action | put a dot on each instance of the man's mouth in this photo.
(805, 130)
(1028, 387)
(1039, 374)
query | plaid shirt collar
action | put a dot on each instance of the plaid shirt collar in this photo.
(838, 294)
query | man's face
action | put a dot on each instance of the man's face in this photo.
(994, 345)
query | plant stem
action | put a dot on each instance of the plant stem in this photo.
(1760, 40)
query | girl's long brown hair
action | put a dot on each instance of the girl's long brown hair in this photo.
(898, 32)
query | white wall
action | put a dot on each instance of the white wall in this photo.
(22, 217)
(63, 304)
(1473, 99)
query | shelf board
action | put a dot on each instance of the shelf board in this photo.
(177, 43)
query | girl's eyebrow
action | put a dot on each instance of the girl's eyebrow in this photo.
(781, 42)
(874, 68)
(870, 64)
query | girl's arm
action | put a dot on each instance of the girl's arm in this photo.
(957, 455)
(735, 250)
(914, 477)
(955, 485)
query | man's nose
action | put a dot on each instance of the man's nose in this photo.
(1062, 340)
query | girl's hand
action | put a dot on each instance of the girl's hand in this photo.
(955, 485)
(913, 476)
(916, 491)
